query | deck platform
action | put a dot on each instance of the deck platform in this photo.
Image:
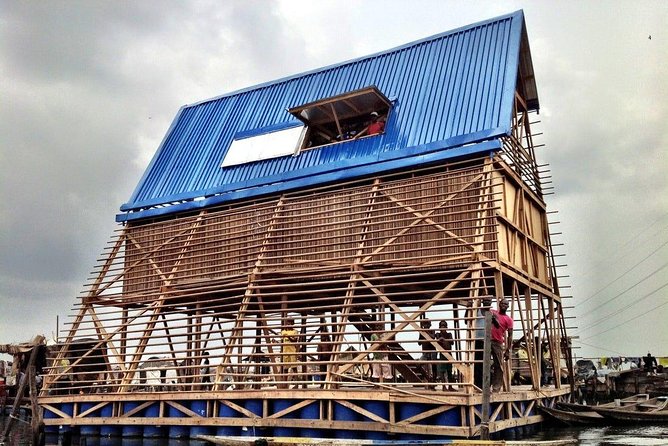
(348, 412)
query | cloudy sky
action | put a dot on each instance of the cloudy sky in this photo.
(89, 88)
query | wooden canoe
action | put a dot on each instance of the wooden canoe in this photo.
(573, 418)
(654, 410)
(630, 401)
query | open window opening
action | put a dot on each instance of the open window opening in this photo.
(344, 117)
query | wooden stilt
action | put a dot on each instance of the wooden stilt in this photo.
(486, 381)
(36, 424)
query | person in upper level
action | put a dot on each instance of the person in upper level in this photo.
(380, 367)
(444, 367)
(377, 125)
(289, 339)
(428, 357)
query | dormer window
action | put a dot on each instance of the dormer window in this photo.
(347, 116)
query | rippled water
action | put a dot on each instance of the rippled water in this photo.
(608, 435)
(586, 436)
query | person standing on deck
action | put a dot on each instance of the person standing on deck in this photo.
(650, 363)
(501, 324)
(380, 368)
(428, 349)
(479, 346)
(444, 367)
(324, 350)
(289, 337)
(205, 370)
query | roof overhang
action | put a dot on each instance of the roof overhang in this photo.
(437, 152)
(526, 79)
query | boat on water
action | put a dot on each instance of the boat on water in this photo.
(571, 417)
(573, 414)
(625, 402)
(654, 410)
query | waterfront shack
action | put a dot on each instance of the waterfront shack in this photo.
(19, 384)
(284, 263)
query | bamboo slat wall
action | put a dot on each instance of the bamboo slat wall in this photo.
(522, 236)
(373, 224)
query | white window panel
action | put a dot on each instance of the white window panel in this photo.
(264, 146)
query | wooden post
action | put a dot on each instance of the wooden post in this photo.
(3, 401)
(486, 366)
(36, 420)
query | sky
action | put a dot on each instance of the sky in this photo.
(89, 88)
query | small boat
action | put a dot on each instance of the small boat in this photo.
(574, 418)
(626, 402)
(573, 407)
(651, 411)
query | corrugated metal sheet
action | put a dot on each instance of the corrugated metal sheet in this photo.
(447, 90)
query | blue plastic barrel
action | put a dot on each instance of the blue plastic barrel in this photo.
(255, 406)
(108, 430)
(342, 413)
(153, 431)
(89, 430)
(452, 417)
(68, 409)
(50, 429)
(200, 408)
(177, 431)
(311, 412)
(382, 409)
(225, 411)
(131, 430)
(280, 431)
(408, 410)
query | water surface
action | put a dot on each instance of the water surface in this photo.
(655, 435)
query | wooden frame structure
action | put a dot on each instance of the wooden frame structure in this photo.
(269, 314)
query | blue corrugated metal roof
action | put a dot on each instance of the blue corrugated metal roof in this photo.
(448, 90)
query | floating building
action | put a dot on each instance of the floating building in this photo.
(285, 263)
